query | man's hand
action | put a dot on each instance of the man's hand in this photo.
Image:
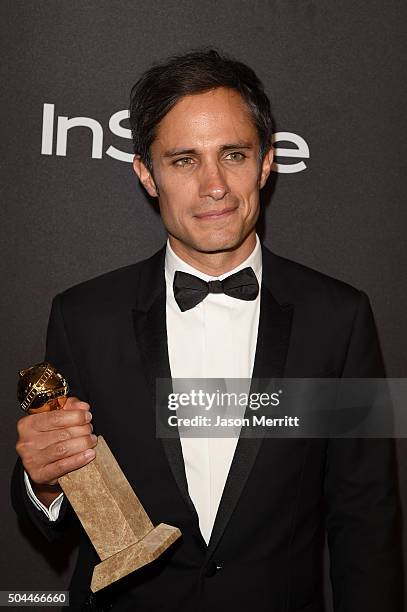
(54, 443)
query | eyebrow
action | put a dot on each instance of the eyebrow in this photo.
(225, 147)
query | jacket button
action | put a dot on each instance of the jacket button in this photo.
(212, 568)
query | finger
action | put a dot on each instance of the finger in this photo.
(73, 403)
(67, 448)
(50, 473)
(46, 438)
(35, 461)
(58, 419)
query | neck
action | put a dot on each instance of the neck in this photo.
(218, 263)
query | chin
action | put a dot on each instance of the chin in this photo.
(214, 243)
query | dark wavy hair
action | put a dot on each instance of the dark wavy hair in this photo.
(163, 85)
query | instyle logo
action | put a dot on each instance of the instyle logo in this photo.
(298, 151)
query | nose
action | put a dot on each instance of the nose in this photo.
(213, 183)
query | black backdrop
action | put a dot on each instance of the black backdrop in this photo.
(335, 73)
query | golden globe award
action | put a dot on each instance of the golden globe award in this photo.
(109, 510)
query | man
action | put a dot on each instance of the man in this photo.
(252, 512)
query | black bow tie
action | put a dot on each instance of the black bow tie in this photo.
(189, 290)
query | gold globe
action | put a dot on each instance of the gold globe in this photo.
(39, 388)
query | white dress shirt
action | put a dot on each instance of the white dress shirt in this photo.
(53, 511)
(215, 339)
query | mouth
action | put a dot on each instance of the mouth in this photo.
(216, 214)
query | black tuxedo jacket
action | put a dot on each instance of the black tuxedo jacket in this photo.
(108, 337)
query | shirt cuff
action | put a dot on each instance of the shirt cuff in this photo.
(53, 511)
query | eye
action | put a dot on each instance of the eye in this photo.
(235, 156)
(183, 161)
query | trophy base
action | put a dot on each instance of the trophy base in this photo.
(135, 556)
(114, 519)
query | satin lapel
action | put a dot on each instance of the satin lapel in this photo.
(271, 352)
(149, 319)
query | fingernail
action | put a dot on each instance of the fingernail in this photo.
(93, 437)
(88, 417)
(90, 454)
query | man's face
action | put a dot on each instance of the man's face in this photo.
(206, 170)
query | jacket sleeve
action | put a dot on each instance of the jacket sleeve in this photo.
(58, 353)
(362, 498)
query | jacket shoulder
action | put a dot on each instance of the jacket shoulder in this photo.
(296, 282)
(118, 286)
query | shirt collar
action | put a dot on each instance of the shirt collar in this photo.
(174, 263)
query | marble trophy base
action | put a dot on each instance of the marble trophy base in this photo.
(114, 519)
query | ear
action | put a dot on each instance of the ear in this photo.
(145, 176)
(266, 167)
